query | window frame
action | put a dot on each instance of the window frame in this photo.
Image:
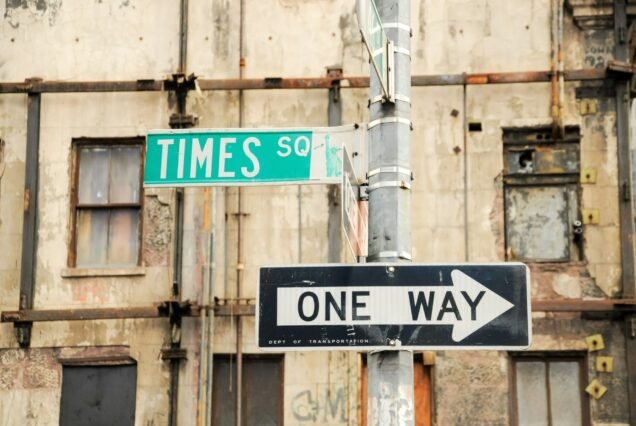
(547, 357)
(75, 206)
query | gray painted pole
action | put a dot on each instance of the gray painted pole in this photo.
(390, 390)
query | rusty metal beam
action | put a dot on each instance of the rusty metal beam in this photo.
(40, 86)
(245, 309)
(157, 311)
(234, 310)
(581, 305)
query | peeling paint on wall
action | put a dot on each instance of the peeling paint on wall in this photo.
(18, 11)
(157, 232)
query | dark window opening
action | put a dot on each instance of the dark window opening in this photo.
(98, 395)
(262, 391)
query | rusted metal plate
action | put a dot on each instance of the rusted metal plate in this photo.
(537, 223)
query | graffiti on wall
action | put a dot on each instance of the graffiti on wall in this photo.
(322, 404)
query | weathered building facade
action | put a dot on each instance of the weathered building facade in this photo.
(137, 305)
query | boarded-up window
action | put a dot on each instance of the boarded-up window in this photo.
(107, 203)
(261, 393)
(98, 395)
(544, 384)
(541, 177)
(422, 391)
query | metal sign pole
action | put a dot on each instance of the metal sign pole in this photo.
(390, 393)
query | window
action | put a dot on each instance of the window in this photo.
(549, 389)
(261, 396)
(541, 191)
(98, 395)
(422, 390)
(106, 201)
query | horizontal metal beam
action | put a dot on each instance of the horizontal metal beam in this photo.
(26, 315)
(581, 305)
(242, 309)
(41, 86)
(157, 311)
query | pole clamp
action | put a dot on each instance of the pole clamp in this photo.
(390, 169)
(402, 50)
(386, 120)
(389, 183)
(398, 26)
(384, 254)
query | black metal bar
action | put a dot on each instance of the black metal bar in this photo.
(29, 226)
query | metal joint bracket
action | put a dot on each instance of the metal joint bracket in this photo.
(385, 254)
(397, 97)
(390, 169)
(387, 120)
(363, 192)
(390, 183)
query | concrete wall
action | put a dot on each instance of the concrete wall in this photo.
(457, 205)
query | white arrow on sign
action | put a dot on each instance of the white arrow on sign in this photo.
(466, 305)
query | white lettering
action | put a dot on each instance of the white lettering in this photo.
(165, 143)
(304, 150)
(255, 165)
(281, 143)
(181, 158)
(201, 157)
(224, 155)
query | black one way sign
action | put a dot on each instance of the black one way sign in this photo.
(387, 306)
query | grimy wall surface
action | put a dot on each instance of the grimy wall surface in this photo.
(458, 199)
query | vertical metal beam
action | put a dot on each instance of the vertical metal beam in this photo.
(29, 226)
(624, 155)
(334, 223)
(391, 372)
(626, 212)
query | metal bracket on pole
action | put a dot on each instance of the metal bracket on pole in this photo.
(390, 169)
(390, 69)
(390, 183)
(389, 254)
(396, 97)
(386, 120)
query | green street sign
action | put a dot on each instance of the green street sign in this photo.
(376, 41)
(196, 157)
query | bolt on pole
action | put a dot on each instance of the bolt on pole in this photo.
(390, 393)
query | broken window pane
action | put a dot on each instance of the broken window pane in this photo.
(93, 176)
(565, 393)
(532, 404)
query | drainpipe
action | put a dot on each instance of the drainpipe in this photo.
(334, 224)
(626, 213)
(556, 68)
(29, 226)
(179, 120)
(239, 236)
